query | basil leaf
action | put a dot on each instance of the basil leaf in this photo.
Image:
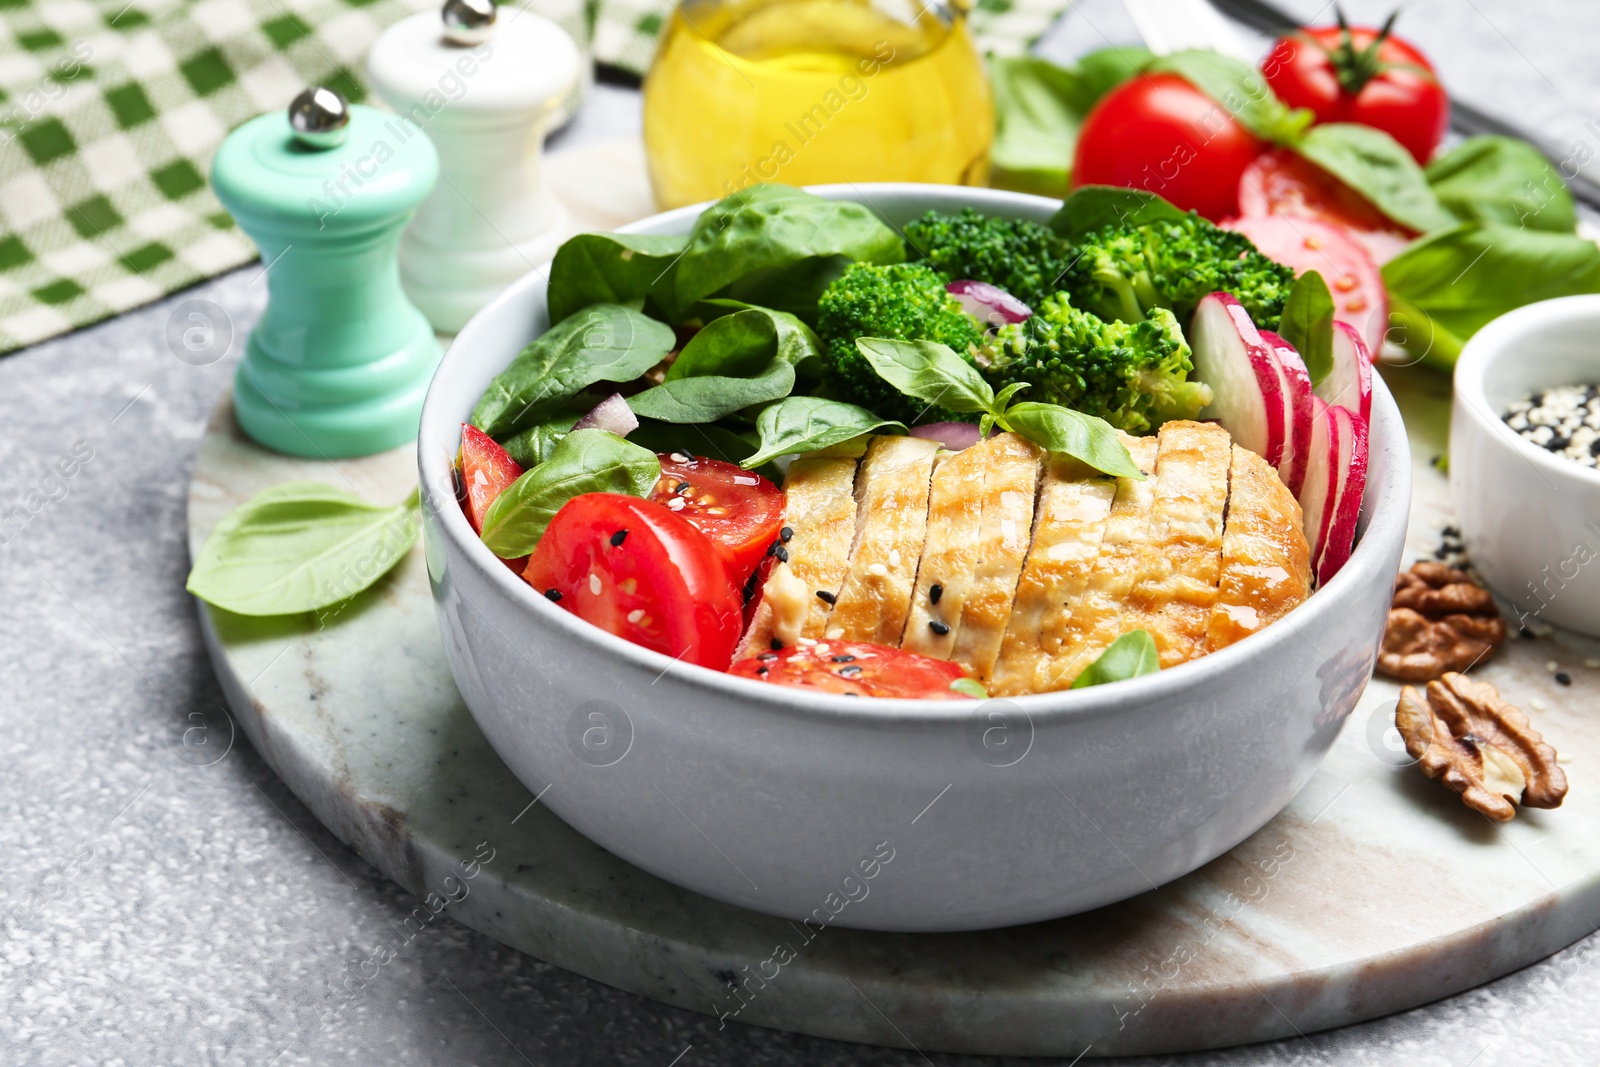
(1039, 108)
(1502, 179)
(612, 268)
(713, 396)
(585, 461)
(1091, 208)
(928, 371)
(809, 423)
(601, 343)
(532, 446)
(1369, 160)
(772, 226)
(1083, 437)
(298, 547)
(1129, 656)
(1239, 89)
(1307, 324)
(1447, 285)
(969, 687)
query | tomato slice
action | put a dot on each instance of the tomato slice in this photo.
(486, 471)
(1282, 183)
(636, 570)
(740, 511)
(855, 668)
(1359, 296)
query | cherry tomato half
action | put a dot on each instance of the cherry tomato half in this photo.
(855, 668)
(636, 570)
(1160, 133)
(1362, 75)
(740, 511)
(486, 471)
(1282, 183)
(1354, 281)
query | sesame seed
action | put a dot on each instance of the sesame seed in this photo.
(1563, 678)
(835, 633)
(618, 537)
(679, 457)
(894, 557)
(1592, 663)
(775, 645)
(594, 584)
(768, 656)
(1551, 666)
(878, 570)
(849, 672)
(552, 595)
(635, 615)
(761, 670)
(935, 591)
(782, 553)
(844, 659)
(1536, 704)
(826, 597)
(676, 504)
(938, 627)
(786, 533)
(806, 642)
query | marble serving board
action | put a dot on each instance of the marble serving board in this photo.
(1374, 891)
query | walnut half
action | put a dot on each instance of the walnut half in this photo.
(1441, 620)
(1470, 739)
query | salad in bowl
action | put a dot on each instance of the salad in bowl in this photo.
(760, 521)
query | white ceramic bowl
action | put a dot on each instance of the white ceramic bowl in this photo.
(1530, 520)
(892, 814)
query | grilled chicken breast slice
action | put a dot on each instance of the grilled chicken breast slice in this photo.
(819, 505)
(1266, 563)
(1179, 585)
(1010, 488)
(1069, 524)
(892, 489)
(949, 558)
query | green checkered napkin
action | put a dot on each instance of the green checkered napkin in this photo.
(110, 111)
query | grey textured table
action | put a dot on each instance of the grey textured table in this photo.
(169, 902)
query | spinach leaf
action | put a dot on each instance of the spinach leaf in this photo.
(1241, 91)
(1502, 179)
(612, 268)
(298, 547)
(772, 226)
(929, 371)
(1129, 656)
(809, 423)
(1039, 108)
(794, 287)
(1083, 437)
(601, 343)
(1307, 324)
(1445, 286)
(702, 439)
(1370, 160)
(531, 446)
(1091, 208)
(585, 461)
(743, 342)
(713, 396)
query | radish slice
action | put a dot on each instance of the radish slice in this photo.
(1342, 516)
(1319, 496)
(1247, 393)
(987, 303)
(612, 414)
(1297, 394)
(953, 435)
(1349, 384)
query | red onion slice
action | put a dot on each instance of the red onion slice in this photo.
(612, 414)
(953, 435)
(987, 303)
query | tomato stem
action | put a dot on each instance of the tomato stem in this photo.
(1356, 67)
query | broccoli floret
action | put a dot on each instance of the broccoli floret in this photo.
(1024, 258)
(1132, 374)
(901, 301)
(1124, 271)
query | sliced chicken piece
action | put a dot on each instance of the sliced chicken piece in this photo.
(1100, 614)
(1069, 524)
(950, 556)
(1266, 568)
(819, 505)
(891, 525)
(1010, 488)
(1179, 585)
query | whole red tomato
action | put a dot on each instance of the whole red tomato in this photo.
(1362, 74)
(1159, 133)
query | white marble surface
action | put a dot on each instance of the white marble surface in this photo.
(160, 912)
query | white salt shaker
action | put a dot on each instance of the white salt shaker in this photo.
(484, 90)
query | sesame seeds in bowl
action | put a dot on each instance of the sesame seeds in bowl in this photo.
(1564, 421)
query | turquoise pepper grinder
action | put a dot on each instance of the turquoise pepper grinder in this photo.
(339, 362)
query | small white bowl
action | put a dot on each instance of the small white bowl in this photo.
(1530, 519)
(891, 814)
